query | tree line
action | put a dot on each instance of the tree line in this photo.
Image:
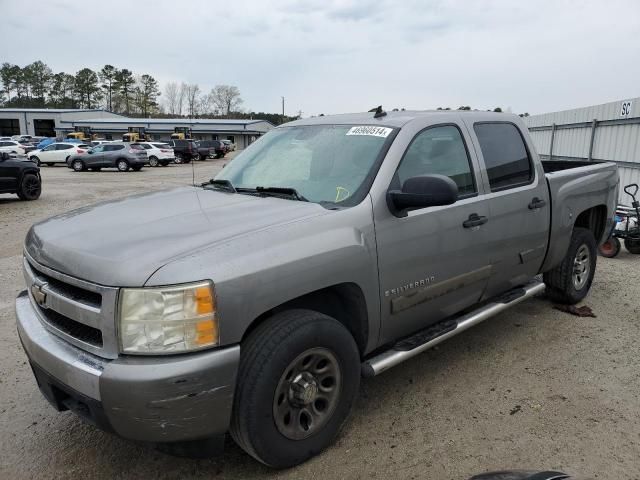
(119, 90)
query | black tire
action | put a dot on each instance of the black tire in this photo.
(30, 187)
(610, 248)
(203, 157)
(153, 161)
(78, 166)
(178, 159)
(268, 357)
(36, 160)
(122, 165)
(562, 282)
(633, 244)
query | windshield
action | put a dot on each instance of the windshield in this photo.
(332, 164)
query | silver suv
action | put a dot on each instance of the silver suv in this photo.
(120, 155)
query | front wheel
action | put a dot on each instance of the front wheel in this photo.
(178, 159)
(300, 374)
(610, 248)
(36, 160)
(570, 281)
(30, 187)
(122, 165)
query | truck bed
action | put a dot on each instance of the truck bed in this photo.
(576, 187)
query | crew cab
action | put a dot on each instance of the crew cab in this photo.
(19, 176)
(332, 248)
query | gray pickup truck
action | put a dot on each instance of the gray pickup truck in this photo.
(332, 248)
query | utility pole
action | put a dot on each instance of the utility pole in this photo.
(283, 108)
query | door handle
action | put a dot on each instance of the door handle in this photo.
(536, 203)
(474, 220)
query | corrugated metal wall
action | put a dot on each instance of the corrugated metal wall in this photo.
(610, 131)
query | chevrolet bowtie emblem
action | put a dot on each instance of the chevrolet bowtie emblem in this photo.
(38, 294)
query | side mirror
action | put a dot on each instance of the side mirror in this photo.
(423, 191)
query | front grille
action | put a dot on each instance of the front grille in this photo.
(83, 333)
(80, 312)
(72, 292)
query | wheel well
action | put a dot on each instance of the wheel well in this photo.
(345, 302)
(594, 219)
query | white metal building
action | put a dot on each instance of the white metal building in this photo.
(610, 131)
(240, 132)
(43, 122)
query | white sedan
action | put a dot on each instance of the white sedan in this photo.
(158, 153)
(57, 152)
(11, 146)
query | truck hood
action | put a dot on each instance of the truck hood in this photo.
(123, 242)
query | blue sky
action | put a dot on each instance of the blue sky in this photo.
(341, 56)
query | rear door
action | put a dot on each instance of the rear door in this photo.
(518, 200)
(433, 262)
(63, 150)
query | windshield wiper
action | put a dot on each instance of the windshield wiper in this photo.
(292, 192)
(226, 184)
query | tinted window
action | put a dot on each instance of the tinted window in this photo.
(4, 144)
(63, 147)
(505, 155)
(161, 145)
(135, 146)
(439, 150)
(111, 148)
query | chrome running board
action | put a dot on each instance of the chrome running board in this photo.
(432, 336)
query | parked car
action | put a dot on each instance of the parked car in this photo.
(58, 152)
(21, 137)
(13, 146)
(211, 148)
(99, 142)
(120, 155)
(230, 146)
(184, 150)
(19, 176)
(4, 139)
(158, 153)
(335, 247)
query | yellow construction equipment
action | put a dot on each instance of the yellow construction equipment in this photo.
(181, 133)
(135, 134)
(82, 133)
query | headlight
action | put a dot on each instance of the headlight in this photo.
(174, 319)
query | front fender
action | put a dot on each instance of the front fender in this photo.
(259, 271)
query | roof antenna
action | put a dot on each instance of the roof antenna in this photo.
(378, 112)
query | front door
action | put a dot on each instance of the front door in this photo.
(63, 151)
(9, 172)
(518, 205)
(433, 262)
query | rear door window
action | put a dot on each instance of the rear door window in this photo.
(63, 146)
(505, 155)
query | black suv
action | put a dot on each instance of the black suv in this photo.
(185, 150)
(211, 148)
(19, 176)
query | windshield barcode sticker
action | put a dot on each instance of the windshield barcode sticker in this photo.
(371, 131)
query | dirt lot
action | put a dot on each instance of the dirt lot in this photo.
(533, 387)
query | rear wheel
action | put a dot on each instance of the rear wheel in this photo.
(30, 187)
(570, 281)
(300, 375)
(178, 158)
(153, 161)
(77, 166)
(122, 165)
(610, 248)
(633, 244)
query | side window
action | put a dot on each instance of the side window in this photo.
(98, 149)
(439, 150)
(505, 155)
(116, 147)
(63, 147)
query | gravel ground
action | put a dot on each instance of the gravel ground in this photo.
(531, 388)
